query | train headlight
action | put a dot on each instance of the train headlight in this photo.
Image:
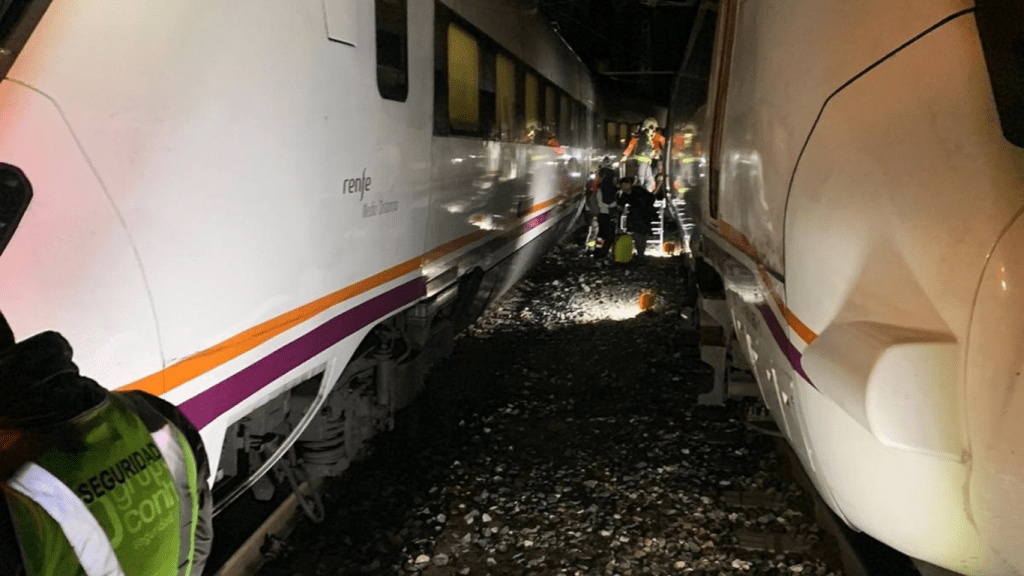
(15, 194)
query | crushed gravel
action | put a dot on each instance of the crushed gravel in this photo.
(563, 437)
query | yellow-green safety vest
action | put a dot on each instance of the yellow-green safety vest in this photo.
(120, 499)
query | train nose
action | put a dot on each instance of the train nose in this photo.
(995, 400)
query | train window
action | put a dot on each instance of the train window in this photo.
(565, 121)
(505, 96)
(532, 98)
(623, 135)
(611, 137)
(463, 80)
(392, 49)
(550, 110)
(1001, 29)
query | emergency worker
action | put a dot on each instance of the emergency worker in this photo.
(685, 153)
(94, 482)
(645, 147)
(607, 202)
(682, 142)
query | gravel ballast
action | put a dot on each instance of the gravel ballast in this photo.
(563, 437)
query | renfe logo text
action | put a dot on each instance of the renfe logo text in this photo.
(354, 185)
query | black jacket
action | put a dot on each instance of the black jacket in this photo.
(609, 187)
(641, 209)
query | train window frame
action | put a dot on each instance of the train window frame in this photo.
(1000, 26)
(464, 80)
(487, 96)
(550, 106)
(728, 12)
(564, 118)
(441, 19)
(507, 131)
(531, 80)
(579, 126)
(391, 18)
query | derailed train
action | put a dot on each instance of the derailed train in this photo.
(276, 215)
(861, 213)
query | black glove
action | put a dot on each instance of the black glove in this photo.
(40, 384)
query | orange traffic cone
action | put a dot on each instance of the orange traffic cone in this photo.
(646, 300)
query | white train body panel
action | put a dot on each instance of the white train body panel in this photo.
(224, 203)
(768, 119)
(863, 232)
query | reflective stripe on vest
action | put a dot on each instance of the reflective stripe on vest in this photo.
(183, 469)
(86, 536)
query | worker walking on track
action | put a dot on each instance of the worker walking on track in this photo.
(646, 147)
(94, 482)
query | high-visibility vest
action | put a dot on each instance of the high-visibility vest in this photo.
(644, 146)
(118, 497)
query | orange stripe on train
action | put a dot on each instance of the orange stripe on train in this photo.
(202, 362)
(737, 239)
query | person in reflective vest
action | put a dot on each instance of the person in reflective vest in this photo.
(94, 482)
(645, 147)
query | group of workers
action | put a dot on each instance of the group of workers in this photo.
(94, 482)
(626, 204)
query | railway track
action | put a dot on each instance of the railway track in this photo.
(250, 555)
(859, 555)
(527, 456)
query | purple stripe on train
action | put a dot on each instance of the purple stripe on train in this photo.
(208, 405)
(794, 356)
(533, 223)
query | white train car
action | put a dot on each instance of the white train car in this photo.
(277, 214)
(863, 209)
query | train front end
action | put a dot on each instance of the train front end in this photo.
(64, 241)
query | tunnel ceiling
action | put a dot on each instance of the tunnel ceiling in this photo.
(630, 44)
